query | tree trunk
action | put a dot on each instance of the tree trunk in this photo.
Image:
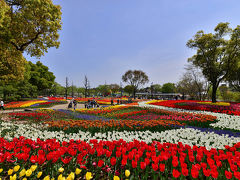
(134, 91)
(214, 93)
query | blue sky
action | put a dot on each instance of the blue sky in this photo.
(102, 39)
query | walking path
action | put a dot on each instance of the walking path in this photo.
(59, 106)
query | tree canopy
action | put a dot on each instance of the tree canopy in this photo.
(217, 54)
(40, 76)
(168, 88)
(135, 78)
(29, 26)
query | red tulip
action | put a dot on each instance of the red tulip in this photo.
(143, 165)
(214, 174)
(155, 166)
(134, 164)
(176, 173)
(194, 173)
(113, 161)
(228, 174)
(185, 171)
(100, 163)
(162, 167)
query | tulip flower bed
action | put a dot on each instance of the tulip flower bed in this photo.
(24, 158)
(38, 116)
(130, 118)
(226, 108)
(33, 104)
(120, 142)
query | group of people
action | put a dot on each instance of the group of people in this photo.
(91, 104)
(73, 103)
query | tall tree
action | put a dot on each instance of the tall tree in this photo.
(26, 26)
(234, 79)
(41, 77)
(168, 88)
(32, 26)
(217, 54)
(103, 89)
(114, 88)
(128, 89)
(66, 87)
(193, 83)
(86, 85)
(135, 78)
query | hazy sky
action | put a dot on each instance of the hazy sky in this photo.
(104, 38)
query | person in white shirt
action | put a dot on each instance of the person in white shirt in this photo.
(2, 105)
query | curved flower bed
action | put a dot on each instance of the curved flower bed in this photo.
(33, 104)
(115, 160)
(232, 108)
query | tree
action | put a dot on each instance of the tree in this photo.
(135, 78)
(81, 91)
(26, 26)
(86, 85)
(103, 89)
(128, 89)
(114, 88)
(31, 26)
(216, 55)
(226, 94)
(4, 8)
(193, 83)
(157, 88)
(234, 79)
(11, 65)
(66, 87)
(168, 88)
(41, 77)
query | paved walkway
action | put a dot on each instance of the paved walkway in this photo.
(59, 106)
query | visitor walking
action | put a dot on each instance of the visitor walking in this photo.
(74, 104)
(2, 105)
(112, 102)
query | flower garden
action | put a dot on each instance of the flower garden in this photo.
(38, 103)
(144, 140)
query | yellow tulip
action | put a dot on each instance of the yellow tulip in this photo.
(52, 178)
(33, 168)
(10, 171)
(22, 173)
(127, 173)
(60, 170)
(46, 178)
(39, 174)
(88, 176)
(24, 179)
(14, 177)
(78, 171)
(16, 168)
(60, 177)
(71, 176)
(1, 170)
(28, 172)
(116, 178)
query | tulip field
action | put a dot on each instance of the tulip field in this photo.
(38, 103)
(143, 140)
